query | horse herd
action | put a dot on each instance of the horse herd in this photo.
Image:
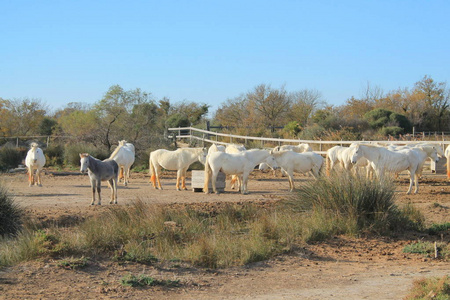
(237, 161)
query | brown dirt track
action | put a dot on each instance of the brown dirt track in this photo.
(342, 268)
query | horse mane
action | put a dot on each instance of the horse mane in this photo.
(116, 150)
(34, 145)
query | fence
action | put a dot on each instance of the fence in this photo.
(319, 146)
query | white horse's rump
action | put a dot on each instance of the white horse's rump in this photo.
(124, 156)
(179, 160)
(292, 162)
(240, 164)
(35, 161)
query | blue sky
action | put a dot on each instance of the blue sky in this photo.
(211, 51)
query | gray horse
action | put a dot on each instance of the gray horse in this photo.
(106, 170)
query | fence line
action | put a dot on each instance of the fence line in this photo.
(192, 133)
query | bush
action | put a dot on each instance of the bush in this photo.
(10, 214)
(72, 153)
(54, 155)
(10, 157)
(431, 288)
(347, 204)
(391, 130)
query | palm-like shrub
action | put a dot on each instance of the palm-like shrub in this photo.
(348, 204)
(10, 214)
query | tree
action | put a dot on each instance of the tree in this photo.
(270, 104)
(380, 118)
(22, 117)
(304, 103)
(436, 98)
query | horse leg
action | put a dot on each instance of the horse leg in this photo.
(411, 182)
(38, 177)
(179, 175)
(243, 183)
(113, 184)
(93, 186)
(213, 181)
(99, 188)
(183, 180)
(30, 177)
(291, 181)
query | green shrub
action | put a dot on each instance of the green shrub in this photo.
(10, 157)
(10, 214)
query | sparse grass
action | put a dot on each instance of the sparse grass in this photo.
(234, 234)
(431, 288)
(144, 280)
(74, 263)
(427, 249)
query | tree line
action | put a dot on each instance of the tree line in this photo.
(138, 117)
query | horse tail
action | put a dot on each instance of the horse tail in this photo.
(328, 169)
(448, 167)
(152, 173)
(207, 176)
(321, 168)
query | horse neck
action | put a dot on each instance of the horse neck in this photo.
(116, 151)
(93, 164)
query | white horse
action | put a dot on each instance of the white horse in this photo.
(124, 156)
(216, 148)
(300, 148)
(384, 160)
(235, 148)
(179, 160)
(98, 170)
(447, 156)
(339, 155)
(292, 162)
(240, 164)
(35, 161)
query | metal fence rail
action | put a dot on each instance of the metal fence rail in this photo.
(319, 146)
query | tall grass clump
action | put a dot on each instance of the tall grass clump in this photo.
(10, 214)
(346, 204)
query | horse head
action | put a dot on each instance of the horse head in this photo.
(84, 161)
(355, 154)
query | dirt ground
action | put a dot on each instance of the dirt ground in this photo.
(341, 268)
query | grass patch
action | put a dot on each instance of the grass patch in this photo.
(427, 249)
(73, 263)
(231, 235)
(431, 288)
(436, 229)
(144, 280)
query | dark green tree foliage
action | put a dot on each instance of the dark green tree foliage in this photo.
(380, 118)
(47, 126)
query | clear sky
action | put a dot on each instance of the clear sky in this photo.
(211, 51)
